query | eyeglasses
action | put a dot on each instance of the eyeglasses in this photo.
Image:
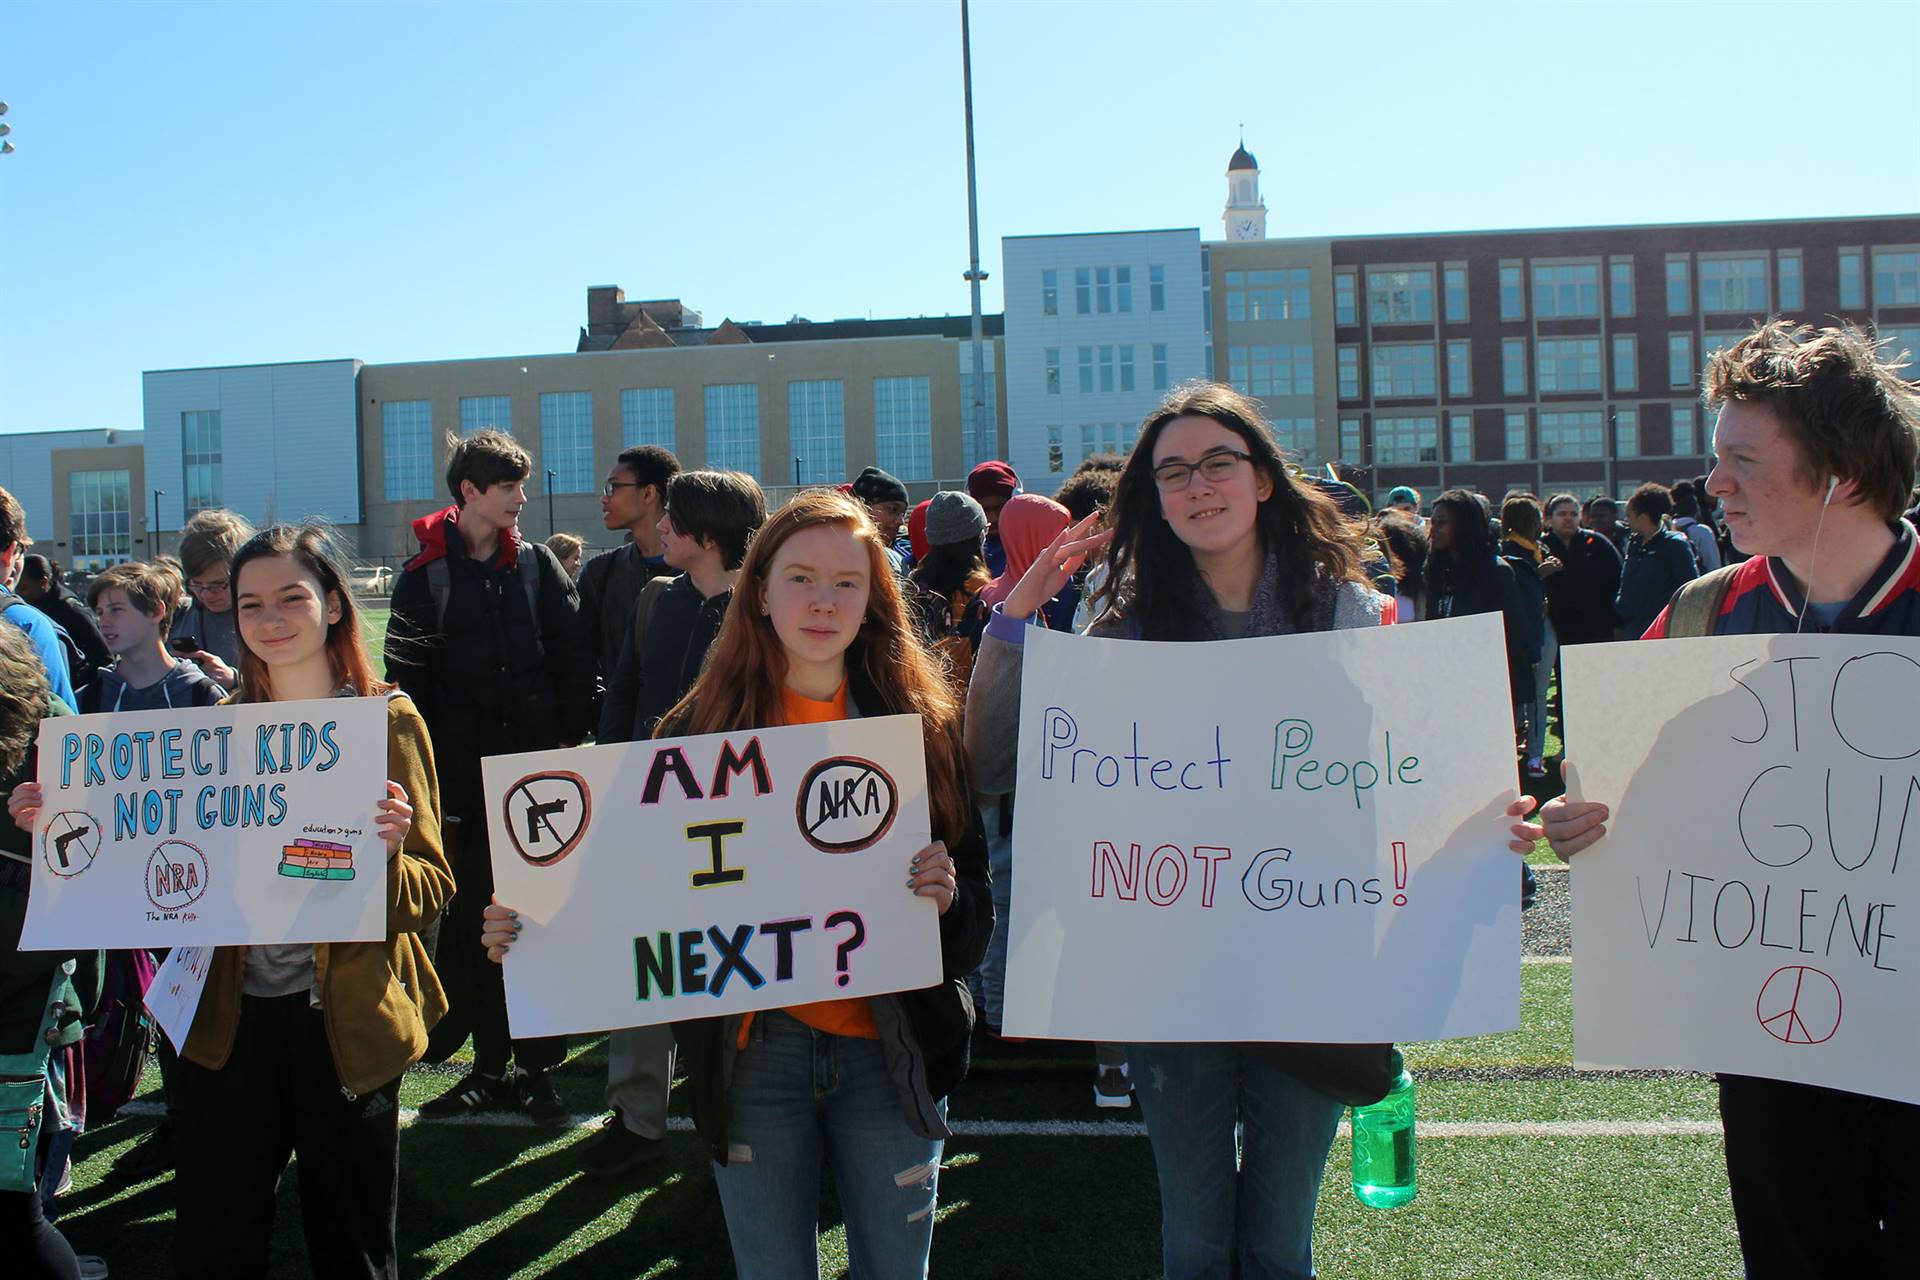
(607, 489)
(1215, 467)
(217, 584)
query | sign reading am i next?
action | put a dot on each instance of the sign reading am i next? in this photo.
(232, 825)
(1287, 838)
(685, 878)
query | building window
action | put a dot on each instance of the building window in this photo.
(1056, 449)
(1713, 343)
(1573, 435)
(1513, 366)
(406, 449)
(1156, 288)
(1517, 436)
(1734, 285)
(1853, 285)
(1626, 362)
(646, 417)
(1896, 278)
(1343, 298)
(99, 518)
(1086, 370)
(1348, 361)
(1400, 297)
(903, 427)
(1053, 371)
(200, 459)
(1686, 441)
(1460, 437)
(1460, 367)
(1296, 436)
(1159, 366)
(1620, 286)
(486, 413)
(1350, 441)
(817, 430)
(1404, 441)
(733, 427)
(1513, 297)
(1123, 289)
(1679, 287)
(1569, 364)
(566, 440)
(1272, 370)
(1902, 345)
(1455, 280)
(1082, 290)
(1566, 289)
(1126, 368)
(1401, 369)
(1626, 433)
(1103, 289)
(1793, 294)
(1680, 366)
(1106, 368)
(1268, 295)
(1050, 292)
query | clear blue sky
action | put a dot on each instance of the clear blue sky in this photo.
(208, 184)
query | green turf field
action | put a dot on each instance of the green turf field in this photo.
(1526, 1169)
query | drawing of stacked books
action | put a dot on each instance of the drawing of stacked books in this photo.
(317, 860)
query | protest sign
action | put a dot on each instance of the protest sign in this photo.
(1750, 907)
(693, 877)
(173, 997)
(250, 823)
(1286, 838)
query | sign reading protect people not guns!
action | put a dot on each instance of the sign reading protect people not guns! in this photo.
(223, 826)
(1752, 907)
(1286, 838)
(693, 877)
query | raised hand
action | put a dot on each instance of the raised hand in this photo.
(1053, 568)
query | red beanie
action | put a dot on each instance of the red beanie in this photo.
(917, 529)
(992, 480)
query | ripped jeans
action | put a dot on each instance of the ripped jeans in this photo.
(799, 1093)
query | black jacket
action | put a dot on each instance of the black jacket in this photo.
(65, 608)
(609, 585)
(1580, 597)
(1656, 567)
(1494, 591)
(925, 1034)
(655, 671)
(495, 678)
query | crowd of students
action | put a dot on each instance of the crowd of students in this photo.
(714, 616)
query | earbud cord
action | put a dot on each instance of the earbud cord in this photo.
(1806, 595)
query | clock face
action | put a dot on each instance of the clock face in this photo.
(1246, 229)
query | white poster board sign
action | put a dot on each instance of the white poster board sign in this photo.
(1287, 838)
(174, 995)
(216, 827)
(695, 877)
(1752, 907)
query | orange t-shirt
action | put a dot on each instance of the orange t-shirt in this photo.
(837, 1017)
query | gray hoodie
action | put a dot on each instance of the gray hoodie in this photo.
(184, 685)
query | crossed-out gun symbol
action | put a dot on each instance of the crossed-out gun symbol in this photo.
(541, 815)
(60, 843)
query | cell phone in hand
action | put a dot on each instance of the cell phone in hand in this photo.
(184, 644)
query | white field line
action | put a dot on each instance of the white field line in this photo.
(1433, 1129)
(1546, 959)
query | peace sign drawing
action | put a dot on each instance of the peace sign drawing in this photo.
(1799, 1005)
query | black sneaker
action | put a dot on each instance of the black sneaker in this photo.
(533, 1092)
(474, 1093)
(617, 1149)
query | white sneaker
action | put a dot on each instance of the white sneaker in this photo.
(91, 1267)
(1112, 1087)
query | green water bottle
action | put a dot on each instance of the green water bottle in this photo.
(1383, 1166)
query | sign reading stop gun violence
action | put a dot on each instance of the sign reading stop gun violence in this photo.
(250, 823)
(1286, 838)
(694, 877)
(1752, 907)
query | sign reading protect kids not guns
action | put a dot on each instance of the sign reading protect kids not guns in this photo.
(1752, 908)
(1286, 838)
(693, 877)
(226, 826)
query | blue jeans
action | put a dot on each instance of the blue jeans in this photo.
(1223, 1201)
(798, 1092)
(989, 981)
(1542, 680)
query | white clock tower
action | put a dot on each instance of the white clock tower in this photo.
(1246, 213)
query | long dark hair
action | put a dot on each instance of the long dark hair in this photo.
(1467, 560)
(310, 546)
(1151, 575)
(951, 568)
(1407, 549)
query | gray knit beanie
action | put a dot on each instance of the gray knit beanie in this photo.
(954, 517)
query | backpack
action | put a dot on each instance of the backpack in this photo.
(527, 565)
(77, 663)
(116, 1045)
(1696, 606)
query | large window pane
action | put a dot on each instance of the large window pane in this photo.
(1738, 285)
(99, 518)
(733, 427)
(1405, 440)
(200, 459)
(1566, 289)
(817, 430)
(646, 417)
(1400, 297)
(406, 428)
(1402, 369)
(484, 413)
(1573, 435)
(1569, 364)
(1282, 370)
(1896, 278)
(566, 440)
(903, 427)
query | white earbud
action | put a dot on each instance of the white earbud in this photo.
(1833, 482)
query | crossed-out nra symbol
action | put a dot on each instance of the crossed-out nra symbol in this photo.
(547, 815)
(71, 842)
